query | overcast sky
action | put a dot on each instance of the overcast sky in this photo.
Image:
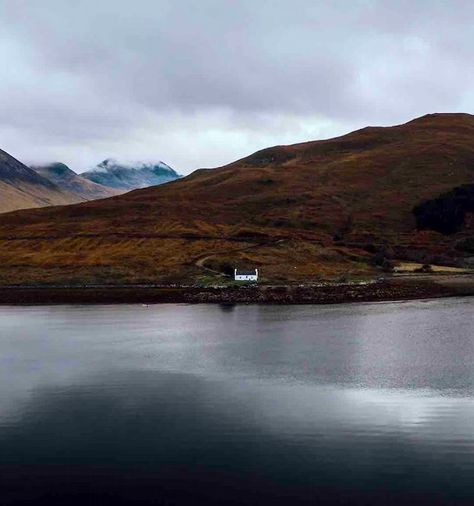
(200, 83)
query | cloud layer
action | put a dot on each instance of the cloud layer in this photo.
(198, 83)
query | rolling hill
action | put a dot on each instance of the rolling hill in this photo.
(305, 212)
(21, 187)
(65, 178)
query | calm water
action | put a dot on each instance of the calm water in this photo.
(176, 404)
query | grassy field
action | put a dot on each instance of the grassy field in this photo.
(412, 267)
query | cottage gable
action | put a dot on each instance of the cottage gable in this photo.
(245, 275)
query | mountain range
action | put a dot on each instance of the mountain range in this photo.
(53, 184)
(23, 187)
(305, 212)
(126, 176)
(66, 179)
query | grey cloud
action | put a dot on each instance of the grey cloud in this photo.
(89, 77)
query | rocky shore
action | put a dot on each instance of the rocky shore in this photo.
(391, 289)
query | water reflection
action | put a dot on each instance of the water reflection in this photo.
(141, 435)
(364, 404)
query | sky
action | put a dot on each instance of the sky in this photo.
(200, 83)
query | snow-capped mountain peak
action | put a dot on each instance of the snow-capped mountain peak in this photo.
(129, 174)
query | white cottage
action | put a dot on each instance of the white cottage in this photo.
(240, 275)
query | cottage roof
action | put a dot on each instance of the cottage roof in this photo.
(246, 273)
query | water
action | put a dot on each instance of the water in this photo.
(175, 404)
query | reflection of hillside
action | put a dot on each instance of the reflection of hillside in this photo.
(402, 346)
(182, 439)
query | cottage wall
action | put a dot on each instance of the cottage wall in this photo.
(239, 277)
(246, 277)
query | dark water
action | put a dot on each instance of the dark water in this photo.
(176, 404)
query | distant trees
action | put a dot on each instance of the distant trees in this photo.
(223, 266)
(226, 268)
(425, 268)
(383, 258)
(446, 213)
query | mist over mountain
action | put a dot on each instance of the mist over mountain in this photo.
(22, 187)
(61, 175)
(130, 176)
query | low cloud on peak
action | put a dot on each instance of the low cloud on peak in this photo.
(201, 83)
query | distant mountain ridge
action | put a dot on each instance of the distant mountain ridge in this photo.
(61, 175)
(22, 187)
(12, 170)
(51, 184)
(130, 176)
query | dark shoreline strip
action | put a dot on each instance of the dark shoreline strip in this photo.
(331, 294)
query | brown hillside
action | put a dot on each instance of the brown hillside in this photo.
(307, 211)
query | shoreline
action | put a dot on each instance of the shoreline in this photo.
(391, 289)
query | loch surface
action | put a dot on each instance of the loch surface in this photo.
(207, 404)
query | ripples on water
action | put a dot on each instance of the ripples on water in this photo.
(176, 404)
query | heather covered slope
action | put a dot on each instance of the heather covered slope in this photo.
(302, 212)
(21, 187)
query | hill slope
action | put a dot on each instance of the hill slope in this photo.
(21, 187)
(122, 176)
(65, 178)
(302, 212)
